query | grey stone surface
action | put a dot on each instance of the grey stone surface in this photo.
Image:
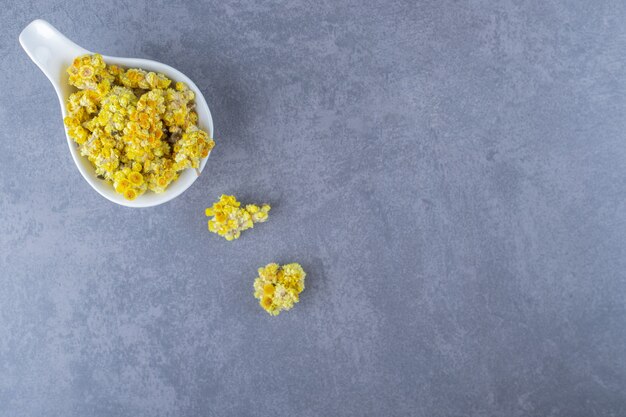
(451, 175)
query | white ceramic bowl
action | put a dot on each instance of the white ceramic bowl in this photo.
(53, 53)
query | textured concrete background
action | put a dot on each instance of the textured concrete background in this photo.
(451, 175)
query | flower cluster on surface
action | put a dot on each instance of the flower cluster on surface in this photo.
(229, 219)
(278, 287)
(137, 131)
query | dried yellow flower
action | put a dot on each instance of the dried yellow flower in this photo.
(229, 219)
(136, 131)
(278, 287)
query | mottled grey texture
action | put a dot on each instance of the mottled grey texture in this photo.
(451, 175)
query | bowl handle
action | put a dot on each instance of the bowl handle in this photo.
(49, 49)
